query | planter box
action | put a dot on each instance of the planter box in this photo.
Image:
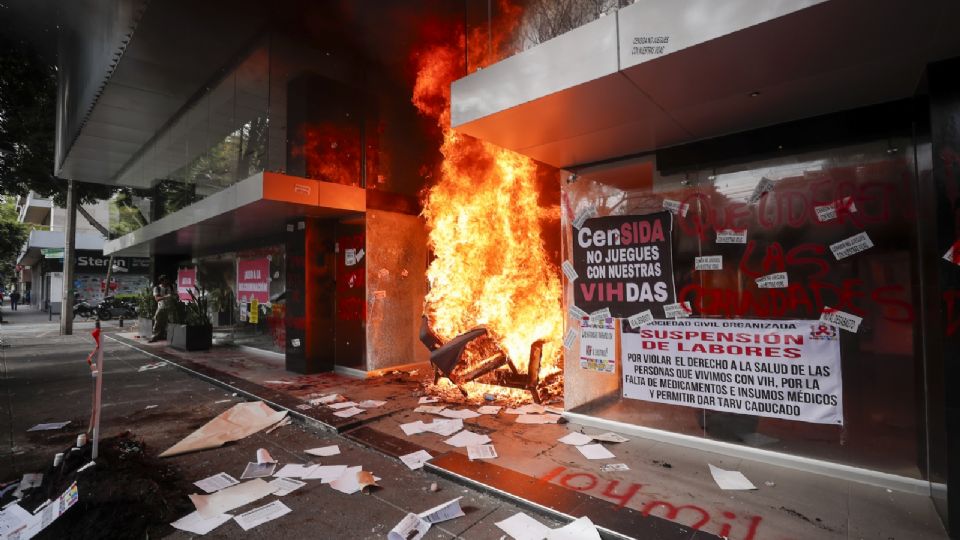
(145, 327)
(189, 338)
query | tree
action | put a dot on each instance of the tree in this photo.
(12, 236)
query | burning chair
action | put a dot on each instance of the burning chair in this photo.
(446, 356)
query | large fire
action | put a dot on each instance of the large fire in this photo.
(485, 225)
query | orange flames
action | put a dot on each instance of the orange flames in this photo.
(485, 227)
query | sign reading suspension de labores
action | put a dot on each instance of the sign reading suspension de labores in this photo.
(624, 263)
(780, 369)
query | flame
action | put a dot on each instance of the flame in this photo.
(485, 225)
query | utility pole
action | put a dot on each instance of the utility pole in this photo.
(69, 255)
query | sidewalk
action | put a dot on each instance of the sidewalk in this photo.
(45, 379)
(533, 468)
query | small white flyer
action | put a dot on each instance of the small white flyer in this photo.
(285, 486)
(841, 319)
(676, 207)
(411, 527)
(851, 246)
(765, 185)
(732, 236)
(678, 310)
(416, 459)
(481, 451)
(640, 319)
(615, 467)
(828, 212)
(708, 262)
(577, 313)
(600, 315)
(569, 339)
(216, 482)
(778, 280)
(569, 271)
(261, 515)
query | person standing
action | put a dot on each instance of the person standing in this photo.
(14, 299)
(163, 294)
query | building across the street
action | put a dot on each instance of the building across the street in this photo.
(724, 224)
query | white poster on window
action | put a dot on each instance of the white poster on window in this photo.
(779, 369)
(598, 345)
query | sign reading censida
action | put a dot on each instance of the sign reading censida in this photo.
(624, 263)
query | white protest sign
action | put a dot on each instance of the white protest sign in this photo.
(851, 246)
(778, 369)
(708, 262)
(732, 236)
(598, 346)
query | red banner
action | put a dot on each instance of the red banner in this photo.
(186, 281)
(253, 280)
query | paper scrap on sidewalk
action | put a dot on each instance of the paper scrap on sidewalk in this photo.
(325, 400)
(595, 451)
(264, 457)
(432, 409)
(294, 470)
(481, 451)
(467, 438)
(324, 451)
(261, 515)
(610, 437)
(444, 427)
(576, 439)
(371, 404)
(149, 367)
(614, 467)
(304, 407)
(258, 470)
(353, 480)
(412, 428)
(341, 405)
(216, 482)
(416, 459)
(730, 480)
(443, 512)
(411, 527)
(232, 497)
(286, 486)
(463, 414)
(285, 422)
(529, 408)
(195, 523)
(50, 426)
(347, 413)
(489, 409)
(428, 399)
(325, 473)
(579, 529)
(538, 419)
(520, 526)
(148, 407)
(237, 422)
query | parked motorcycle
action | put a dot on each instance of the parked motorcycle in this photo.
(112, 307)
(82, 309)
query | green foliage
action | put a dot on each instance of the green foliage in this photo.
(12, 236)
(197, 309)
(146, 303)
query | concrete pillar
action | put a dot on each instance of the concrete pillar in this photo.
(69, 257)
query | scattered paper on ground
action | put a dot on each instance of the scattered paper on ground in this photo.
(353, 480)
(324, 451)
(294, 470)
(538, 419)
(232, 497)
(50, 426)
(258, 470)
(216, 482)
(731, 480)
(520, 526)
(432, 409)
(264, 457)
(285, 422)
(440, 427)
(576, 439)
(610, 437)
(481, 451)
(341, 405)
(579, 529)
(237, 422)
(489, 409)
(347, 413)
(416, 459)
(467, 438)
(427, 399)
(286, 486)
(529, 408)
(326, 473)
(411, 527)
(263, 514)
(463, 414)
(195, 523)
(613, 467)
(595, 451)
(443, 512)
(371, 404)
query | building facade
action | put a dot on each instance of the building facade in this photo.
(753, 206)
